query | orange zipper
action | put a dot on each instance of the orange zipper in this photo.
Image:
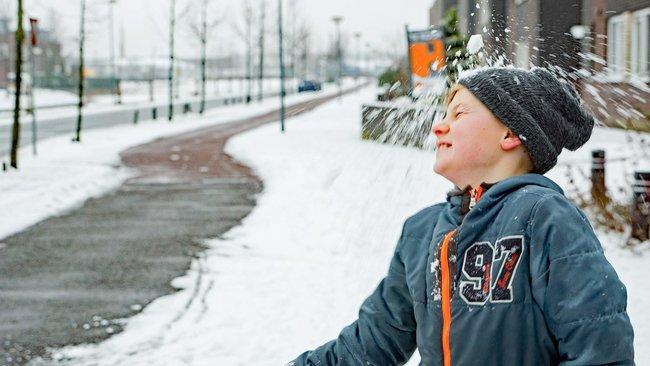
(446, 299)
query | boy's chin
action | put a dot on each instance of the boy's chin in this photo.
(439, 168)
(441, 171)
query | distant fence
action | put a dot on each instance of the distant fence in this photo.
(66, 83)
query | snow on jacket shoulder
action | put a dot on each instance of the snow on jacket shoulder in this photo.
(520, 279)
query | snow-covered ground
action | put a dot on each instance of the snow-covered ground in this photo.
(320, 239)
(134, 94)
(65, 174)
(42, 98)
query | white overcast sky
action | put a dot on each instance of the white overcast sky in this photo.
(145, 22)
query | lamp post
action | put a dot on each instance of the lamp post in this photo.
(337, 19)
(357, 37)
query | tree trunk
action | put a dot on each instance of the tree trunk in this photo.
(170, 76)
(80, 86)
(15, 131)
(281, 66)
(261, 49)
(204, 41)
(249, 61)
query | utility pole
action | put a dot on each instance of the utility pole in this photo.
(204, 40)
(281, 67)
(261, 50)
(111, 49)
(170, 76)
(80, 87)
(15, 131)
(337, 22)
(32, 108)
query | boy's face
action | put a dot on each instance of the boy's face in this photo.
(468, 140)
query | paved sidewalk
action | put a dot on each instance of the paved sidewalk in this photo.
(74, 278)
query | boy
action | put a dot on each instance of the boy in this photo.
(507, 271)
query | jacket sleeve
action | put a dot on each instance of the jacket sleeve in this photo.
(583, 300)
(384, 333)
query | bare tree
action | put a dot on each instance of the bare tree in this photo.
(6, 13)
(245, 33)
(260, 43)
(293, 41)
(15, 131)
(297, 40)
(202, 30)
(54, 60)
(303, 36)
(80, 86)
(170, 75)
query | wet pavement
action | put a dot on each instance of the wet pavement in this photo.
(74, 278)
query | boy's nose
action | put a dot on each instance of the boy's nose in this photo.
(440, 128)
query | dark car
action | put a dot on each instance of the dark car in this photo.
(309, 85)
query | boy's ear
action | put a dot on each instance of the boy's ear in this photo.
(510, 141)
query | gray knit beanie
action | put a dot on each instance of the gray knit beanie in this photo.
(544, 111)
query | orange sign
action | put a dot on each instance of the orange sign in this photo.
(426, 57)
(426, 51)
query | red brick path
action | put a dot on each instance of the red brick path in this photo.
(199, 154)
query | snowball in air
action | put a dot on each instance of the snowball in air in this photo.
(475, 43)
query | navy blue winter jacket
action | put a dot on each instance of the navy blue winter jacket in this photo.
(520, 279)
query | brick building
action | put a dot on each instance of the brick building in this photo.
(617, 48)
(524, 31)
(48, 59)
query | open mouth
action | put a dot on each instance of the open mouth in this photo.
(443, 145)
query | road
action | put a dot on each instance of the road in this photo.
(122, 115)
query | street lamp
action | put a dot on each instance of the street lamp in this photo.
(337, 19)
(357, 36)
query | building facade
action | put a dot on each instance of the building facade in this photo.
(608, 61)
(48, 60)
(617, 56)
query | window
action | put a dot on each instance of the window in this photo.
(640, 42)
(616, 44)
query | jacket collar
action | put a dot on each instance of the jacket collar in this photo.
(468, 197)
(463, 200)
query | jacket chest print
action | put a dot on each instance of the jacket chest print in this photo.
(488, 270)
